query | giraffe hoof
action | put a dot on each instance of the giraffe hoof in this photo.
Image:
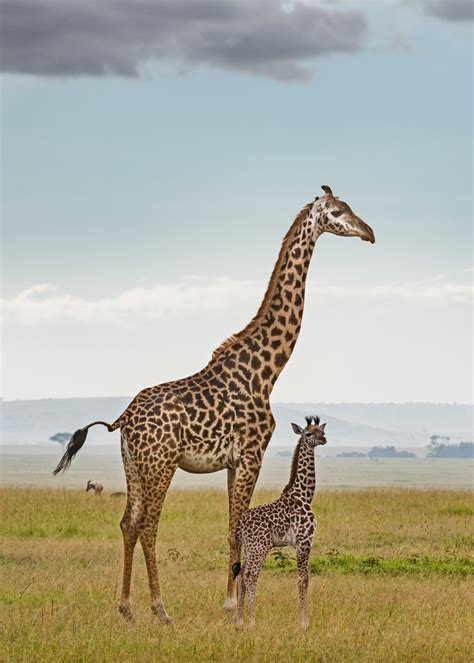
(161, 613)
(126, 612)
(230, 603)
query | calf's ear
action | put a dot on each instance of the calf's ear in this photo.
(297, 429)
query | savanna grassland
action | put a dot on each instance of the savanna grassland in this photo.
(391, 580)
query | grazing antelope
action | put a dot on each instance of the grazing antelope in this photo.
(288, 521)
(97, 487)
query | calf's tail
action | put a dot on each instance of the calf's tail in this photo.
(78, 439)
(238, 540)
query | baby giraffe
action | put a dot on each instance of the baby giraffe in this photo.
(288, 521)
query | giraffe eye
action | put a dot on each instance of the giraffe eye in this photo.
(337, 213)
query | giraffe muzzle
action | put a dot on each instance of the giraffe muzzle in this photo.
(366, 233)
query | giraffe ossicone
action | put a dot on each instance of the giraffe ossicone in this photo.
(219, 418)
(288, 521)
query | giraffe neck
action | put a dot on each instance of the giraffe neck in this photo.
(281, 312)
(262, 349)
(304, 482)
(271, 335)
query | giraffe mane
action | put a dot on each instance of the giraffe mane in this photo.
(254, 322)
(294, 466)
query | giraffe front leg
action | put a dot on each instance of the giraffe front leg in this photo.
(242, 494)
(302, 556)
(229, 603)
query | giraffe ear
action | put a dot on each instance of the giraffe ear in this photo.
(297, 429)
(322, 427)
(326, 188)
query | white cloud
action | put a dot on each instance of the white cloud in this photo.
(45, 304)
(427, 292)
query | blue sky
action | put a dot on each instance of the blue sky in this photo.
(179, 184)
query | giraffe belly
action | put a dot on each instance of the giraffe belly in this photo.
(202, 463)
(287, 538)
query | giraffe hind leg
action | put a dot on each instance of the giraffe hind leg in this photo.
(130, 525)
(250, 578)
(240, 600)
(159, 471)
(256, 552)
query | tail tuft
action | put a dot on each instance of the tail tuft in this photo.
(74, 444)
(78, 439)
(236, 569)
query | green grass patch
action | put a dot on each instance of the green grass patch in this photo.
(339, 563)
(374, 564)
(459, 510)
(28, 598)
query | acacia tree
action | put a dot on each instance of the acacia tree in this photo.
(62, 438)
(437, 449)
(436, 440)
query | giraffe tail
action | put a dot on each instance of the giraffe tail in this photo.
(77, 441)
(236, 568)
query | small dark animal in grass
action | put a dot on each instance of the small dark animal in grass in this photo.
(117, 494)
(288, 521)
(97, 487)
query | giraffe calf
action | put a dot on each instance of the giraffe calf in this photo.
(288, 521)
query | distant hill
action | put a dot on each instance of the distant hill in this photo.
(342, 432)
(349, 424)
(32, 422)
(426, 418)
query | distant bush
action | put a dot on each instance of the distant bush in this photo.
(62, 438)
(285, 454)
(439, 450)
(351, 454)
(389, 452)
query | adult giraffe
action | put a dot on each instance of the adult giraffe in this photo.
(219, 418)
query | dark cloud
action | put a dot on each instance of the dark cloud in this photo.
(450, 10)
(119, 37)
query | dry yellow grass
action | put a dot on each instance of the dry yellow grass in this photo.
(397, 588)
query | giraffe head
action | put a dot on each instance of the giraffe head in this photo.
(335, 216)
(313, 433)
